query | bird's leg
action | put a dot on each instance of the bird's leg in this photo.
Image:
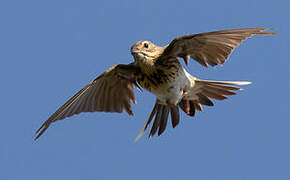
(187, 106)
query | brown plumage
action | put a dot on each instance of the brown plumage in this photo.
(158, 70)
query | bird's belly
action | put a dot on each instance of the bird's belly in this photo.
(173, 90)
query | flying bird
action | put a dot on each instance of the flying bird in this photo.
(157, 69)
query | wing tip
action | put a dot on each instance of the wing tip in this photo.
(141, 132)
(41, 130)
(261, 31)
(243, 82)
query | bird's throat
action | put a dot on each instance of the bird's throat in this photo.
(147, 67)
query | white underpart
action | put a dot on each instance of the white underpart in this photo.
(174, 91)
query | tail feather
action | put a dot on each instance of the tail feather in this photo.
(157, 120)
(204, 100)
(211, 93)
(182, 105)
(218, 89)
(205, 90)
(197, 106)
(147, 122)
(161, 113)
(192, 108)
(201, 94)
(164, 119)
(174, 111)
(223, 82)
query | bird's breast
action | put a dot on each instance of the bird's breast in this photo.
(165, 82)
(157, 78)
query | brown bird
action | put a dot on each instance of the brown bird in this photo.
(158, 70)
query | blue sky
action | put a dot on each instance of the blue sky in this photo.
(51, 49)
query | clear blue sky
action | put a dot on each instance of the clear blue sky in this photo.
(51, 49)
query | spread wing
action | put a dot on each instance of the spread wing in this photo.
(211, 48)
(110, 92)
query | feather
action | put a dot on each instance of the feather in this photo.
(174, 116)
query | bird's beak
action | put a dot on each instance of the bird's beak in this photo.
(134, 50)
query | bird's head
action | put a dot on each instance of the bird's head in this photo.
(145, 52)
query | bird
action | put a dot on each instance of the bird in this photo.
(158, 70)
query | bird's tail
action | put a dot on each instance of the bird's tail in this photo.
(161, 113)
(204, 91)
(200, 94)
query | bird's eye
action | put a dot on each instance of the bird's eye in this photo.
(146, 45)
